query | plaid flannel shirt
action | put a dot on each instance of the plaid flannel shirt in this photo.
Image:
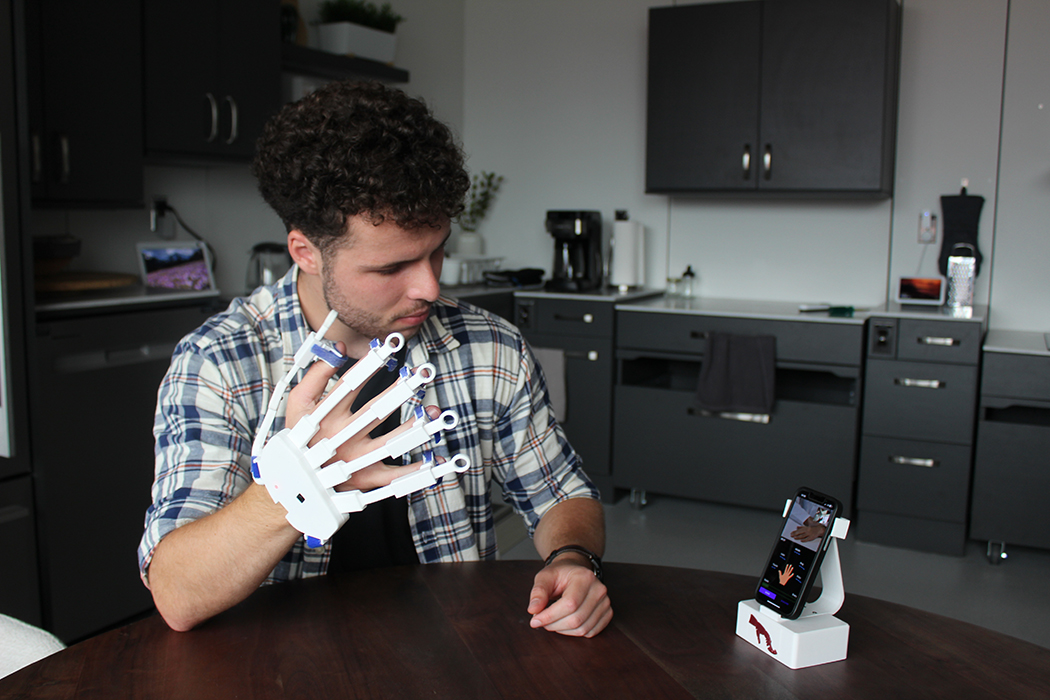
(213, 398)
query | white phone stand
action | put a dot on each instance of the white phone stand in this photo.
(817, 636)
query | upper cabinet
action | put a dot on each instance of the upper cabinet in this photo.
(773, 96)
(212, 70)
(85, 103)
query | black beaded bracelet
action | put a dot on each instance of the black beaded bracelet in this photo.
(596, 561)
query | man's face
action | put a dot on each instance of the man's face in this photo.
(385, 279)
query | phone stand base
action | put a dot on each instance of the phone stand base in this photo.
(808, 641)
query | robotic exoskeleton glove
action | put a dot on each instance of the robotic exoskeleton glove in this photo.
(302, 478)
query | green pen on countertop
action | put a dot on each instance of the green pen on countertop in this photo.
(845, 311)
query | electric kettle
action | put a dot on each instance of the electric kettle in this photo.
(268, 263)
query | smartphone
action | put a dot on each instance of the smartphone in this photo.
(793, 564)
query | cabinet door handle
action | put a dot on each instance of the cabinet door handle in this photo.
(914, 461)
(934, 340)
(233, 120)
(64, 167)
(214, 107)
(920, 383)
(589, 355)
(767, 162)
(586, 318)
(747, 161)
(729, 415)
(38, 159)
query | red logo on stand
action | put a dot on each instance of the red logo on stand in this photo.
(760, 632)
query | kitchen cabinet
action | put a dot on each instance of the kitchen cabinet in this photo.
(84, 103)
(581, 327)
(774, 96)
(213, 77)
(918, 429)
(1011, 478)
(19, 588)
(93, 396)
(665, 444)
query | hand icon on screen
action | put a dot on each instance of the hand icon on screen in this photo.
(785, 575)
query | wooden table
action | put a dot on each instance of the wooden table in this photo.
(461, 631)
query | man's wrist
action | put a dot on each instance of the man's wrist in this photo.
(585, 557)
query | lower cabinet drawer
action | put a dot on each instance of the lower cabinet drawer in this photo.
(920, 400)
(661, 444)
(1011, 475)
(923, 534)
(914, 478)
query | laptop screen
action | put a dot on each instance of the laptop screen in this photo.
(176, 266)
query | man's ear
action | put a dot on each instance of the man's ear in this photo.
(304, 253)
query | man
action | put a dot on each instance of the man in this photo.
(366, 182)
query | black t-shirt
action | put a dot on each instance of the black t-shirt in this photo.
(380, 534)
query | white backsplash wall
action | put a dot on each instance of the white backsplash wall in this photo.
(220, 203)
(948, 128)
(1020, 278)
(555, 102)
(805, 251)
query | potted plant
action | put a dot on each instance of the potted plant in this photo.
(359, 28)
(483, 190)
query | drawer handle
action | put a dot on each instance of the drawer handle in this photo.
(728, 415)
(591, 355)
(698, 335)
(914, 461)
(586, 318)
(938, 341)
(920, 383)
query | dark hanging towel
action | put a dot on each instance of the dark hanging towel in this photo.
(738, 374)
(961, 214)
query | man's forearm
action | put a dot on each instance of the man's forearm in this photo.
(579, 521)
(210, 565)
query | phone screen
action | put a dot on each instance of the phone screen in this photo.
(797, 554)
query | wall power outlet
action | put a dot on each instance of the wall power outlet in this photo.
(927, 227)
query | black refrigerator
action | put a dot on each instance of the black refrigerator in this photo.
(19, 584)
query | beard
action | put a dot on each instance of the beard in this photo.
(365, 323)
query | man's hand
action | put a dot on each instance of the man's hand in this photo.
(309, 393)
(808, 531)
(568, 598)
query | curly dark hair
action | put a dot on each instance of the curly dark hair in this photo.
(359, 148)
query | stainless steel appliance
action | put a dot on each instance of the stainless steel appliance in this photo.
(577, 250)
(268, 264)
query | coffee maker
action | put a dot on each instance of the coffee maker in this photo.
(577, 250)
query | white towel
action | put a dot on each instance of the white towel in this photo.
(552, 360)
(22, 644)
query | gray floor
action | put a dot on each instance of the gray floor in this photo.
(1010, 597)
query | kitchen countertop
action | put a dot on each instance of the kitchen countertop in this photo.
(740, 308)
(978, 312)
(1018, 342)
(465, 291)
(609, 294)
(789, 310)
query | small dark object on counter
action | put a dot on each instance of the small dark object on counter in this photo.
(844, 311)
(524, 277)
(52, 254)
